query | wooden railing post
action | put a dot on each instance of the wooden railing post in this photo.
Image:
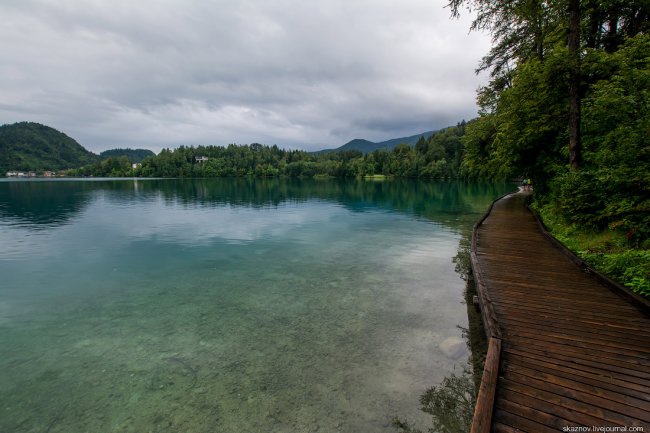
(482, 422)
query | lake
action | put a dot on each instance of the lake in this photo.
(229, 305)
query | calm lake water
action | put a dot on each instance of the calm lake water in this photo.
(228, 305)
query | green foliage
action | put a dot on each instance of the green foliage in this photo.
(450, 404)
(524, 126)
(438, 156)
(109, 167)
(631, 267)
(524, 135)
(612, 250)
(613, 188)
(31, 146)
(478, 140)
(133, 155)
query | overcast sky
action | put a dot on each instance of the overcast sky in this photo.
(296, 73)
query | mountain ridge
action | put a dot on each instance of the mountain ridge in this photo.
(367, 146)
(31, 146)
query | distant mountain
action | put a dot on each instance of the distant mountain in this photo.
(359, 144)
(134, 155)
(366, 146)
(29, 146)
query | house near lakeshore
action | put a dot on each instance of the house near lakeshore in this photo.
(29, 174)
(20, 174)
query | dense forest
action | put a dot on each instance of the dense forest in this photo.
(568, 105)
(133, 155)
(438, 156)
(31, 146)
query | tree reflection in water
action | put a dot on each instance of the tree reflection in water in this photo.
(451, 403)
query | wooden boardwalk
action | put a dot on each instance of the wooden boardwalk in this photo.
(565, 348)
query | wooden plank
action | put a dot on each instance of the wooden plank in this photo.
(565, 369)
(626, 365)
(502, 428)
(569, 329)
(566, 300)
(623, 365)
(570, 324)
(625, 293)
(542, 412)
(482, 421)
(574, 351)
(582, 342)
(590, 322)
(611, 400)
(546, 419)
(520, 424)
(575, 287)
(560, 310)
(572, 328)
(606, 417)
(487, 310)
(575, 300)
(637, 348)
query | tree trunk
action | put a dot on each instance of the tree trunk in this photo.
(575, 148)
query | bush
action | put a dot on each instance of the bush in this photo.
(631, 267)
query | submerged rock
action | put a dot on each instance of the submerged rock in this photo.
(453, 347)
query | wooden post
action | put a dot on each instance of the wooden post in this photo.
(482, 422)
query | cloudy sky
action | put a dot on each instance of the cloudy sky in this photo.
(300, 74)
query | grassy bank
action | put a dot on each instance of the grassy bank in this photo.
(609, 251)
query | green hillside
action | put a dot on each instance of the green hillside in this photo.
(29, 146)
(366, 146)
(133, 155)
(363, 146)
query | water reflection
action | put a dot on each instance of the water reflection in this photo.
(451, 403)
(228, 305)
(42, 204)
(47, 204)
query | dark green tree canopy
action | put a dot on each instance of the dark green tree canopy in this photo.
(570, 88)
(31, 146)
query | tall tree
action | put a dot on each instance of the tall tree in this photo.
(519, 28)
(575, 148)
(521, 31)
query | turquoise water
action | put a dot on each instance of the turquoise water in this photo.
(228, 305)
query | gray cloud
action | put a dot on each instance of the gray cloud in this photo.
(298, 74)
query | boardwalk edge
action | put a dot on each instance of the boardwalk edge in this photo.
(593, 402)
(482, 421)
(484, 408)
(640, 302)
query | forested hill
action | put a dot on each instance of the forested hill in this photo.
(133, 155)
(28, 146)
(439, 156)
(365, 146)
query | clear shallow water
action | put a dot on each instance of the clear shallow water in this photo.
(228, 305)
